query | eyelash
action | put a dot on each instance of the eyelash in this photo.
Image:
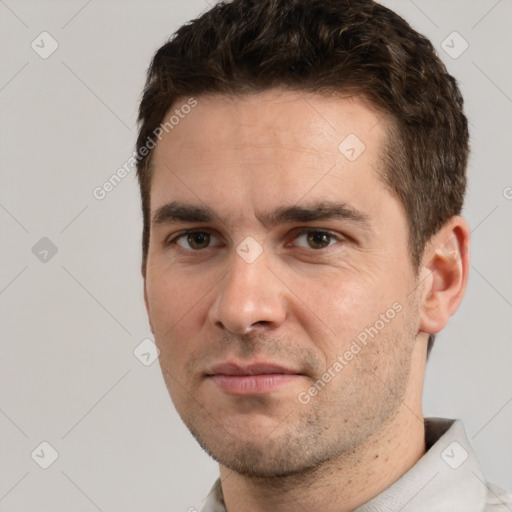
(306, 231)
(303, 231)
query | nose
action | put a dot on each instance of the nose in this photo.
(250, 296)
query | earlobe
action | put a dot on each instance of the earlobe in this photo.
(444, 275)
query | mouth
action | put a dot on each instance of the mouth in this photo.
(252, 379)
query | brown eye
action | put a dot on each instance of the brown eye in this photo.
(318, 239)
(198, 240)
(195, 240)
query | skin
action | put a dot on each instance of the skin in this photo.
(299, 304)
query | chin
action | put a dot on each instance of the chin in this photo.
(271, 455)
(261, 461)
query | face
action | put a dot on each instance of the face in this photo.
(278, 281)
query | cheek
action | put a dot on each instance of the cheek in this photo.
(177, 306)
(172, 294)
(345, 306)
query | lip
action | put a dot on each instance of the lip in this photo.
(257, 368)
(251, 379)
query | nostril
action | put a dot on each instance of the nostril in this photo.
(262, 323)
(255, 327)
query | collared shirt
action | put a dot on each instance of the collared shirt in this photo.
(447, 478)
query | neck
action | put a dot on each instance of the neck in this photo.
(341, 484)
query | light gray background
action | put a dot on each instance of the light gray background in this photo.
(70, 325)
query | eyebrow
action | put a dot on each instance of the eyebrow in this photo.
(317, 211)
(177, 211)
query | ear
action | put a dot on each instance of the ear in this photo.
(444, 274)
(146, 301)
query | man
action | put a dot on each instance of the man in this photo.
(302, 171)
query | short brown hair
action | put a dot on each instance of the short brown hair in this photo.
(349, 46)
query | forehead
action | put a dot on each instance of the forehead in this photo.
(284, 144)
(275, 115)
